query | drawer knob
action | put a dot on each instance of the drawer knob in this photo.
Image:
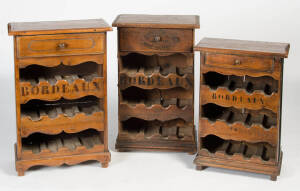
(157, 38)
(237, 62)
(62, 45)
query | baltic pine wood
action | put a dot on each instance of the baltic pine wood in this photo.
(156, 82)
(61, 101)
(240, 105)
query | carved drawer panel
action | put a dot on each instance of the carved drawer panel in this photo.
(155, 40)
(59, 45)
(264, 64)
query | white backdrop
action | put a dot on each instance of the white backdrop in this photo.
(267, 20)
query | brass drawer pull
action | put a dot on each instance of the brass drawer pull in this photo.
(62, 45)
(237, 62)
(157, 38)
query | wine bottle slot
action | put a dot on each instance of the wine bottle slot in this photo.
(138, 63)
(265, 83)
(230, 114)
(215, 144)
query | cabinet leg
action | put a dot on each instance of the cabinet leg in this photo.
(21, 173)
(104, 164)
(273, 177)
(200, 167)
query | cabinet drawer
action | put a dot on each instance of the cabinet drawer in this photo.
(155, 40)
(59, 45)
(240, 62)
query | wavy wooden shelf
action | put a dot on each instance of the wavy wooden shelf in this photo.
(155, 111)
(141, 130)
(238, 131)
(155, 80)
(68, 87)
(239, 98)
(65, 60)
(259, 153)
(239, 72)
(56, 119)
(62, 145)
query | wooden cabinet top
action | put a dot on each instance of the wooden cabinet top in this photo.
(58, 27)
(157, 21)
(229, 46)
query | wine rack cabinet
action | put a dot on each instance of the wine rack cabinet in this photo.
(156, 82)
(240, 105)
(61, 101)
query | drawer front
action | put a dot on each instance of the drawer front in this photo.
(155, 40)
(240, 62)
(59, 45)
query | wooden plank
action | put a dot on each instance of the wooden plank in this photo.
(157, 21)
(58, 27)
(243, 47)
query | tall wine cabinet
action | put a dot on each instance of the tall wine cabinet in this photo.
(240, 105)
(156, 82)
(60, 84)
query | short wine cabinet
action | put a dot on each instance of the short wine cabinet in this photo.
(240, 105)
(156, 82)
(60, 81)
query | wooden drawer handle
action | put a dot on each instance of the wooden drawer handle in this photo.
(237, 62)
(62, 45)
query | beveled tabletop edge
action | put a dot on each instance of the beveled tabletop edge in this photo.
(205, 46)
(105, 27)
(196, 25)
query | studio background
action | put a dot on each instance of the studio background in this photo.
(268, 20)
